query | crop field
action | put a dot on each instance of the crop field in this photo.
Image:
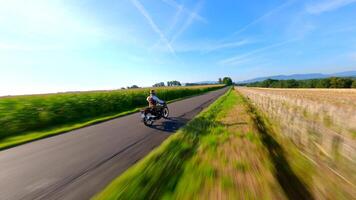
(24, 118)
(321, 123)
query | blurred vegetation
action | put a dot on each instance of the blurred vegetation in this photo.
(218, 155)
(160, 84)
(169, 84)
(21, 114)
(333, 82)
(158, 174)
(225, 80)
(173, 83)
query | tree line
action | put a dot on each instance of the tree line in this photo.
(333, 82)
(225, 80)
(169, 83)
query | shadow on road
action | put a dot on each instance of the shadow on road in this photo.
(170, 125)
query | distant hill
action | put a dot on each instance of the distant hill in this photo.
(207, 82)
(202, 83)
(302, 76)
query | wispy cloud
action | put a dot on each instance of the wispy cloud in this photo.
(257, 20)
(327, 5)
(181, 13)
(227, 45)
(188, 22)
(210, 46)
(178, 6)
(264, 16)
(240, 58)
(153, 25)
(176, 19)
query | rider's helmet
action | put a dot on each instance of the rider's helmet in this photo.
(152, 92)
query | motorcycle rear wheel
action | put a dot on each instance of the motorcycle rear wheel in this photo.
(165, 112)
(148, 122)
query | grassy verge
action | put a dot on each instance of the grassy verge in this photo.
(224, 153)
(157, 174)
(28, 136)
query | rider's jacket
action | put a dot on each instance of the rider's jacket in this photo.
(153, 100)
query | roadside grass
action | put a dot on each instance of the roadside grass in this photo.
(13, 130)
(157, 175)
(240, 164)
(223, 153)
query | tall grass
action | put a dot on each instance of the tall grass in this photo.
(21, 114)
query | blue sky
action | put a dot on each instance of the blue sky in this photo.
(66, 45)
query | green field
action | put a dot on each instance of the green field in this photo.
(26, 118)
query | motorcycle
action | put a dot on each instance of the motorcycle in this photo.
(149, 115)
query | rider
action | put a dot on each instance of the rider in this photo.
(153, 100)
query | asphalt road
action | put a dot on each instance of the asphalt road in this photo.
(78, 164)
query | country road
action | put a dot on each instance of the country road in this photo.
(78, 164)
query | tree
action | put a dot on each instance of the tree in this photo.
(174, 83)
(323, 83)
(346, 83)
(133, 87)
(227, 81)
(353, 84)
(220, 81)
(161, 84)
(340, 82)
(334, 82)
(291, 83)
(268, 83)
